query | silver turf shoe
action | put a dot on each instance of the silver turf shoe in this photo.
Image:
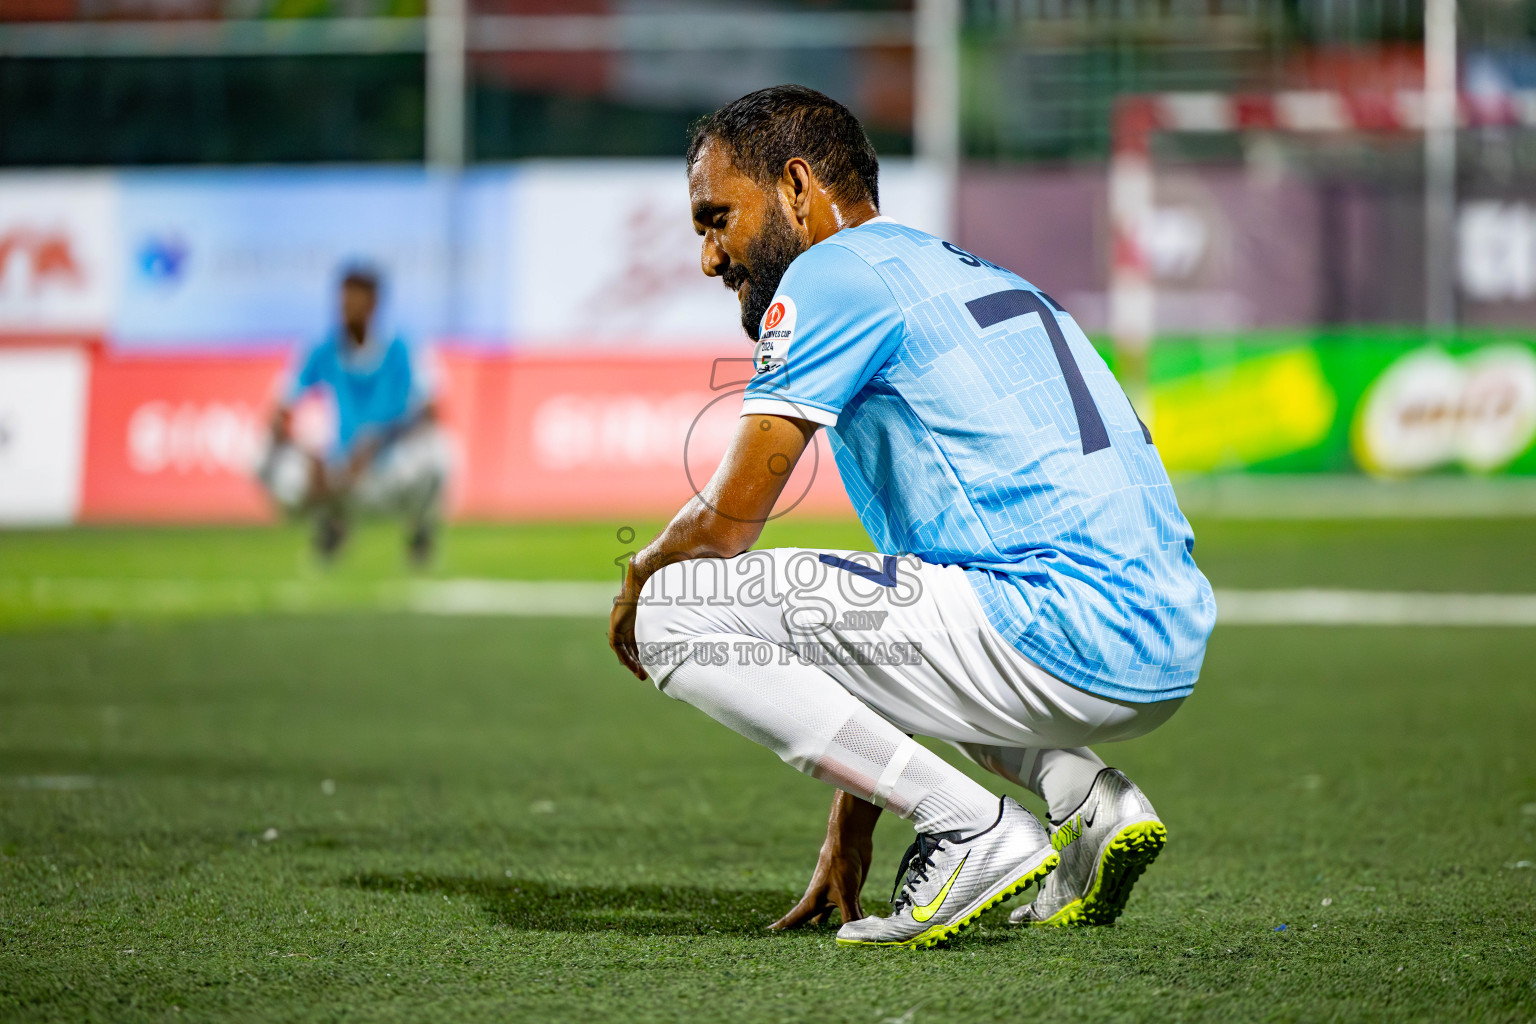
(1105, 846)
(945, 882)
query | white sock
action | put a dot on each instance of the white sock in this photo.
(808, 719)
(1061, 778)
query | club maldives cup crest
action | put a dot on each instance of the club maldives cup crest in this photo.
(774, 335)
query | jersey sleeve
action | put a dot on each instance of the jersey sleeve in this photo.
(831, 326)
(425, 376)
(304, 374)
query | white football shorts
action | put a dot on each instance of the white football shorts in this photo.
(906, 637)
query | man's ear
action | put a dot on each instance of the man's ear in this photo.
(795, 185)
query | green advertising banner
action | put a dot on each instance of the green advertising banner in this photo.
(1386, 403)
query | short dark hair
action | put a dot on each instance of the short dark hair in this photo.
(768, 128)
(362, 275)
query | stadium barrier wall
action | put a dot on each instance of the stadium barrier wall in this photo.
(94, 435)
(553, 254)
(1384, 402)
(157, 261)
(604, 434)
(145, 315)
(102, 436)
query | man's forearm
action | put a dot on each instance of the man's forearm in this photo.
(727, 517)
(412, 422)
(695, 532)
(372, 443)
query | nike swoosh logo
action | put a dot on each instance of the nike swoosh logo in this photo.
(1088, 816)
(923, 913)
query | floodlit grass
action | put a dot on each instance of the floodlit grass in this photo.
(377, 816)
(103, 575)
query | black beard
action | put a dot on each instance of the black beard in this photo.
(769, 255)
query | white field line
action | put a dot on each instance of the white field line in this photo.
(566, 599)
(1234, 607)
(1371, 608)
(169, 596)
(513, 597)
(54, 782)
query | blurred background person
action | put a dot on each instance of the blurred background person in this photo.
(389, 456)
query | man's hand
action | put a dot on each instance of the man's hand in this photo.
(372, 443)
(363, 453)
(282, 425)
(342, 480)
(842, 866)
(621, 625)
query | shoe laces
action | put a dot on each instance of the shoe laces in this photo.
(914, 869)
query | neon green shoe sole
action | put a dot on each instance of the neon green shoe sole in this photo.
(940, 934)
(1124, 858)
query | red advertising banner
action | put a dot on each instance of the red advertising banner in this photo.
(607, 433)
(175, 438)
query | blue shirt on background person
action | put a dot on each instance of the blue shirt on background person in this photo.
(377, 386)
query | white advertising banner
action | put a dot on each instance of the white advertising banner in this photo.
(59, 253)
(42, 433)
(604, 253)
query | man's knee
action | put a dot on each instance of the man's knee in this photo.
(436, 458)
(423, 461)
(409, 478)
(659, 619)
(703, 596)
(689, 598)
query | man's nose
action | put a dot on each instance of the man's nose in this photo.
(712, 259)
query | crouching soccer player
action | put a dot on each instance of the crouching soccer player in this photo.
(389, 456)
(1034, 593)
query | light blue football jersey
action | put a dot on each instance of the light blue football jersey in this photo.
(975, 425)
(375, 387)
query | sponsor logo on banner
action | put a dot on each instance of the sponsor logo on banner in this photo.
(42, 419)
(635, 431)
(217, 436)
(1496, 253)
(58, 269)
(162, 260)
(1430, 409)
(193, 437)
(1260, 407)
(231, 257)
(37, 261)
(177, 439)
(630, 275)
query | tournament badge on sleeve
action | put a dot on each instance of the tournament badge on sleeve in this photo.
(778, 330)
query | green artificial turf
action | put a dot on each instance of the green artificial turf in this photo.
(372, 816)
(102, 575)
(50, 576)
